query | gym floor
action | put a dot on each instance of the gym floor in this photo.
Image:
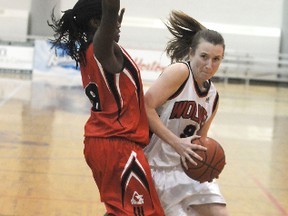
(43, 171)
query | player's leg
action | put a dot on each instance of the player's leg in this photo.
(207, 200)
(123, 177)
(140, 191)
(212, 209)
(180, 210)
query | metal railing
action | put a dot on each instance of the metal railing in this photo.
(254, 66)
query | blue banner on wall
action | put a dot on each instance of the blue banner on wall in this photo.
(47, 60)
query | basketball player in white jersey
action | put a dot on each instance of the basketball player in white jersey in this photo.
(181, 105)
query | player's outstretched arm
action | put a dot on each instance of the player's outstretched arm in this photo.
(105, 48)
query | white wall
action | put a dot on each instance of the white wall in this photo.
(15, 4)
(14, 20)
(246, 16)
(256, 12)
(40, 13)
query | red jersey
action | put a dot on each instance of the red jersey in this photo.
(117, 100)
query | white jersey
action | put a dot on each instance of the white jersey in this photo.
(184, 114)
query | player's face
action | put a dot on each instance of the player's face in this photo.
(206, 60)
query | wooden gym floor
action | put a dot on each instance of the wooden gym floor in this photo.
(43, 172)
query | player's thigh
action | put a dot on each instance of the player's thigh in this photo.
(212, 209)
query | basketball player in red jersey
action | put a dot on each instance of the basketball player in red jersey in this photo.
(117, 129)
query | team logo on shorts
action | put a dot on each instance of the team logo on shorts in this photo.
(134, 176)
(137, 199)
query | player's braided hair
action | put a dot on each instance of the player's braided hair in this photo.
(73, 32)
(187, 33)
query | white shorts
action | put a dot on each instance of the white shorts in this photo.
(177, 192)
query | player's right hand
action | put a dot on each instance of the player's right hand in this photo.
(186, 150)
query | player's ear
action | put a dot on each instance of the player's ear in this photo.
(94, 23)
(191, 52)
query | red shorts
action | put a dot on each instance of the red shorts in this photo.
(123, 177)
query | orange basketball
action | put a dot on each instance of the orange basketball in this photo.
(212, 164)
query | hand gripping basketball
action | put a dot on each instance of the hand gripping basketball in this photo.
(212, 164)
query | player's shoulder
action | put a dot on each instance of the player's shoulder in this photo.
(179, 65)
(180, 69)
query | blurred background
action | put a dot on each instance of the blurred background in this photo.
(43, 107)
(256, 33)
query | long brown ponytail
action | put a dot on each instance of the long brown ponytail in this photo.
(187, 33)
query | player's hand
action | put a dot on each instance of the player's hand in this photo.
(121, 14)
(187, 150)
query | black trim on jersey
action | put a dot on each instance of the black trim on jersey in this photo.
(134, 73)
(111, 82)
(215, 102)
(198, 91)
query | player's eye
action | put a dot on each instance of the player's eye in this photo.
(217, 59)
(204, 56)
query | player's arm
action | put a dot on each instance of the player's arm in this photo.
(105, 48)
(205, 128)
(165, 86)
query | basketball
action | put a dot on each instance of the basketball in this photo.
(212, 164)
